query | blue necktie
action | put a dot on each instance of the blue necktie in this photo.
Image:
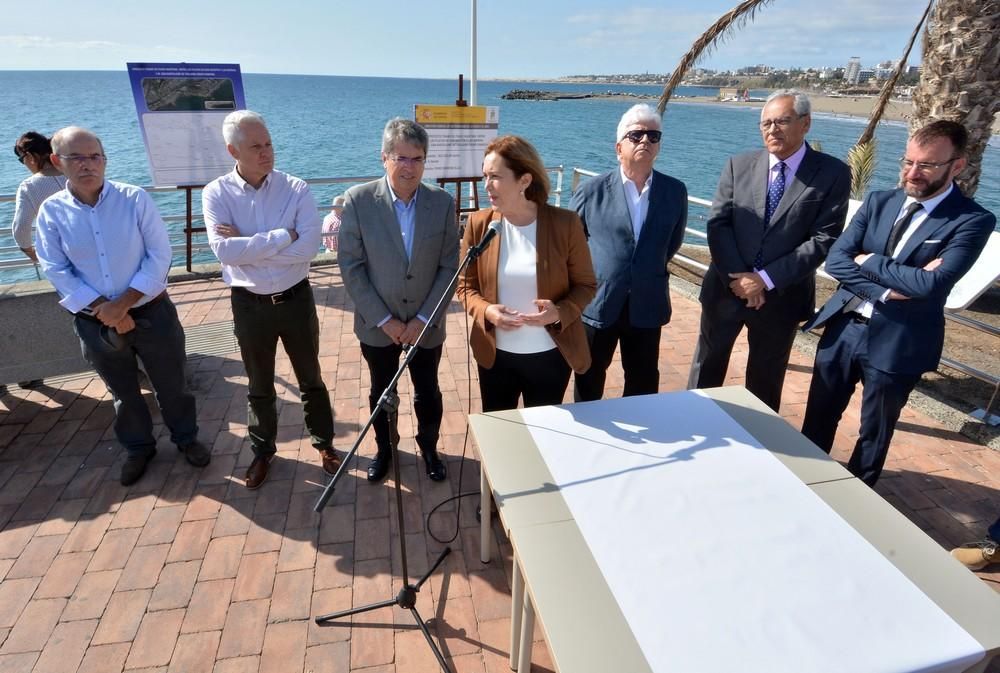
(774, 193)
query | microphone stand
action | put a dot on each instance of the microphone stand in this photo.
(388, 403)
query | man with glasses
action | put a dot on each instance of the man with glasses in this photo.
(634, 218)
(264, 227)
(398, 252)
(105, 249)
(775, 214)
(897, 262)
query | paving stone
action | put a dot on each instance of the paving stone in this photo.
(191, 541)
(162, 526)
(154, 643)
(238, 665)
(173, 590)
(284, 647)
(33, 626)
(66, 647)
(14, 538)
(208, 605)
(195, 653)
(63, 575)
(122, 617)
(243, 633)
(36, 558)
(62, 518)
(104, 658)
(18, 663)
(143, 567)
(222, 560)
(113, 552)
(255, 578)
(91, 596)
(14, 596)
(292, 596)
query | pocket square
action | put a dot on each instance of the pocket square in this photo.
(932, 240)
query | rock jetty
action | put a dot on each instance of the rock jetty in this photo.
(531, 94)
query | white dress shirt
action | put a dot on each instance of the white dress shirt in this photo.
(638, 202)
(103, 250)
(263, 258)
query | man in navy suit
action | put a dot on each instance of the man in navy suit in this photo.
(634, 218)
(774, 217)
(896, 263)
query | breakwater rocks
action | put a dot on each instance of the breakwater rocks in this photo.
(531, 94)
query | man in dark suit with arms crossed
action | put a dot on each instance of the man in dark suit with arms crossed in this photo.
(634, 218)
(897, 261)
(774, 217)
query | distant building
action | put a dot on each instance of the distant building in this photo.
(853, 70)
(865, 75)
(884, 70)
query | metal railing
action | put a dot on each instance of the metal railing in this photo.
(12, 258)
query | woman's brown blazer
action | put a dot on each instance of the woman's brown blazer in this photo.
(565, 275)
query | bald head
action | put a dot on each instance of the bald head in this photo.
(65, 136)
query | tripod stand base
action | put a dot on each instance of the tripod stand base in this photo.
(406, 599)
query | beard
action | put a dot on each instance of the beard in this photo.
(927, 188)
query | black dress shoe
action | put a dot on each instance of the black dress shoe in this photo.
(196, 453)
(435, 466)
(379, 467)
(135, 466)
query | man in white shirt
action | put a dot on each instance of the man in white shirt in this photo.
(105, 249)
(398, 252)
(634, 217)
(264, 227)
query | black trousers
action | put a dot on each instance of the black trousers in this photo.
(383, 361)
(540, 378)
(770, 334)
(842, 361)
(640, 349)
(259, 325)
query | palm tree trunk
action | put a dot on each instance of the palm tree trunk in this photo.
(961, 75)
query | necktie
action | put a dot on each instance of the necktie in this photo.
(774, 193)
(897, 230)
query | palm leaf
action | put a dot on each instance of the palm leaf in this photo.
(708, 41)
(861, 159)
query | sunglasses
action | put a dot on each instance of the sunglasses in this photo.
(636, 136)
(20, 155)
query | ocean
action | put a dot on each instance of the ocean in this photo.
(331, 127)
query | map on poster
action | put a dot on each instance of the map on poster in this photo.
(458, 138)
(181, 107)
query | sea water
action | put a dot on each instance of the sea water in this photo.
(331, 127)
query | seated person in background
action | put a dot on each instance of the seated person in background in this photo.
(33, 150)
(527, 290)
(331, 224)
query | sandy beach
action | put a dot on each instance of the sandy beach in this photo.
(847, 106)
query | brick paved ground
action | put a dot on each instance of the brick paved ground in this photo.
(187, 571)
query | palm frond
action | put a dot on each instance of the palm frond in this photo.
(708, 41)
(890, 84)
(861, 159)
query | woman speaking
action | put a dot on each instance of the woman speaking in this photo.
(527, 289)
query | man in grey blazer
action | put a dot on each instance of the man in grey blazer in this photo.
(634, 218)
(775, 215)
(398, 252)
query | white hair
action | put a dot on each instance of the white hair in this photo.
(232, 125)
(640, 113)
(62, 138)
(801, 105)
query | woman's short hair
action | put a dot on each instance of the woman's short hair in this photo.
(35, 143)
(521, 157)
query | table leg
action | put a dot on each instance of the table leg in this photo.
(516, 606)
(527, 633)
(484, 513)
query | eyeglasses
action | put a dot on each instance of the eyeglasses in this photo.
(80, 159)
(780, 122)
(923, 166)
(20, 155)
(637, 135)
(407, 161)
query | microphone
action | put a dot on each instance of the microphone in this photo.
(491, 232)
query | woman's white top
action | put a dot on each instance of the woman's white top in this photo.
(30, 195)
(517, 287)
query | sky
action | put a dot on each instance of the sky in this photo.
(517, 38)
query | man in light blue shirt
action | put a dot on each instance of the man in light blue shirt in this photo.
(105, 249)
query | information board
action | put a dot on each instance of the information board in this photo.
(181, 107)
(458, 138)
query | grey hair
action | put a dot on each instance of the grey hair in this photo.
(339, 200)
(62, 138)
(640, 113)
(801, 105)
(232, 130)
(404, 130)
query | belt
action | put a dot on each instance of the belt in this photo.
(860, 319)
(132, 311)
(277, 297)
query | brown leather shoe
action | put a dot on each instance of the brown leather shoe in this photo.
(331, 461)
(257, 472)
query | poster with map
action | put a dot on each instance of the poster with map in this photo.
(181, 107)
